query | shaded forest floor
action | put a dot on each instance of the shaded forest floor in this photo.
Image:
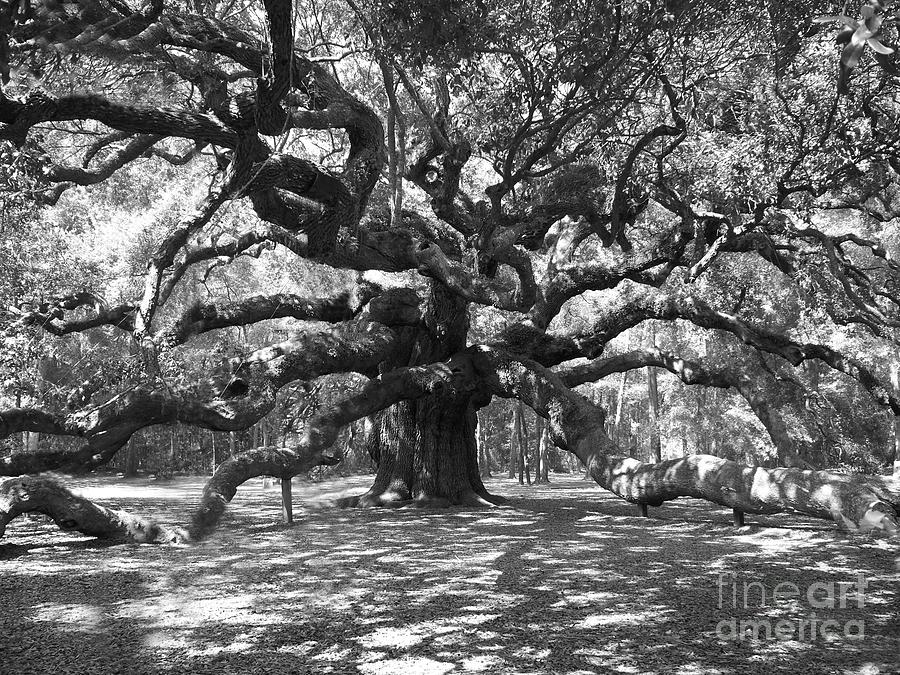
(569, 580)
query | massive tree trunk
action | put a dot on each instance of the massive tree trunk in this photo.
(427, 454)
(426, 449)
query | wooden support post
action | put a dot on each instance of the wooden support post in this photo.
(738, 517)
(287, 504)
(644, 510)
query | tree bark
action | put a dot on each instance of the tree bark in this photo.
(427, 455)
(29, 494)
(426, 449)
(131, 460)
(287, 501)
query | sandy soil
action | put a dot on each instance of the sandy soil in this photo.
(568, 580)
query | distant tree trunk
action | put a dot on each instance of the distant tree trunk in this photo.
(812, 367)
(348, 464)
(31, 441)
(267, 480)
(538, 431)
(167, 463)
(542, 469)
(287, 500)
(615, 428)
(484, 457)
(896, 471)
(426, 449)
(521, 445)
(702, 440)
(811, 454)
(526, 463)
(653, 399)
(710, 446)
(24, 446)
(619, 407)
(514, 442)
(131, 459)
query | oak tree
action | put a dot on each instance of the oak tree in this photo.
(577, 168)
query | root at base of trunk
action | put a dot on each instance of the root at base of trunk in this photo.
(393, 499)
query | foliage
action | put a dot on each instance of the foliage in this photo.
(706, 148)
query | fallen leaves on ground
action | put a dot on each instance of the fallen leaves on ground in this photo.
(568, 580)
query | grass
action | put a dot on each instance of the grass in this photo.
(568, 580)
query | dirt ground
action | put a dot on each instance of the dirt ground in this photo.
(568, 580)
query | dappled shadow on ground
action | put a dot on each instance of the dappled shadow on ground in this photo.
(568, 580)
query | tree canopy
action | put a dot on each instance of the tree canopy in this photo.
(206, 203)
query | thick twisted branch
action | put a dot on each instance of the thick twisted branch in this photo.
(228, 401)
(854, 501)
(637, 304)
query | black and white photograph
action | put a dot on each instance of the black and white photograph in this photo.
(428, 337)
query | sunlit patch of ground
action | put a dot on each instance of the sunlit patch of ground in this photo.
(569, 580)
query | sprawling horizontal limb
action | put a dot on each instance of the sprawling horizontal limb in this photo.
(51, 316)
(573, 279)
(637, 304)
(228, 401)
(38, 107)
(204, 317)
(200, 317)
(25, 494)
(321, 432)
(577, 426)
(71, 512)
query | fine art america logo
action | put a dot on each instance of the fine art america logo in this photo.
(820, 595)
